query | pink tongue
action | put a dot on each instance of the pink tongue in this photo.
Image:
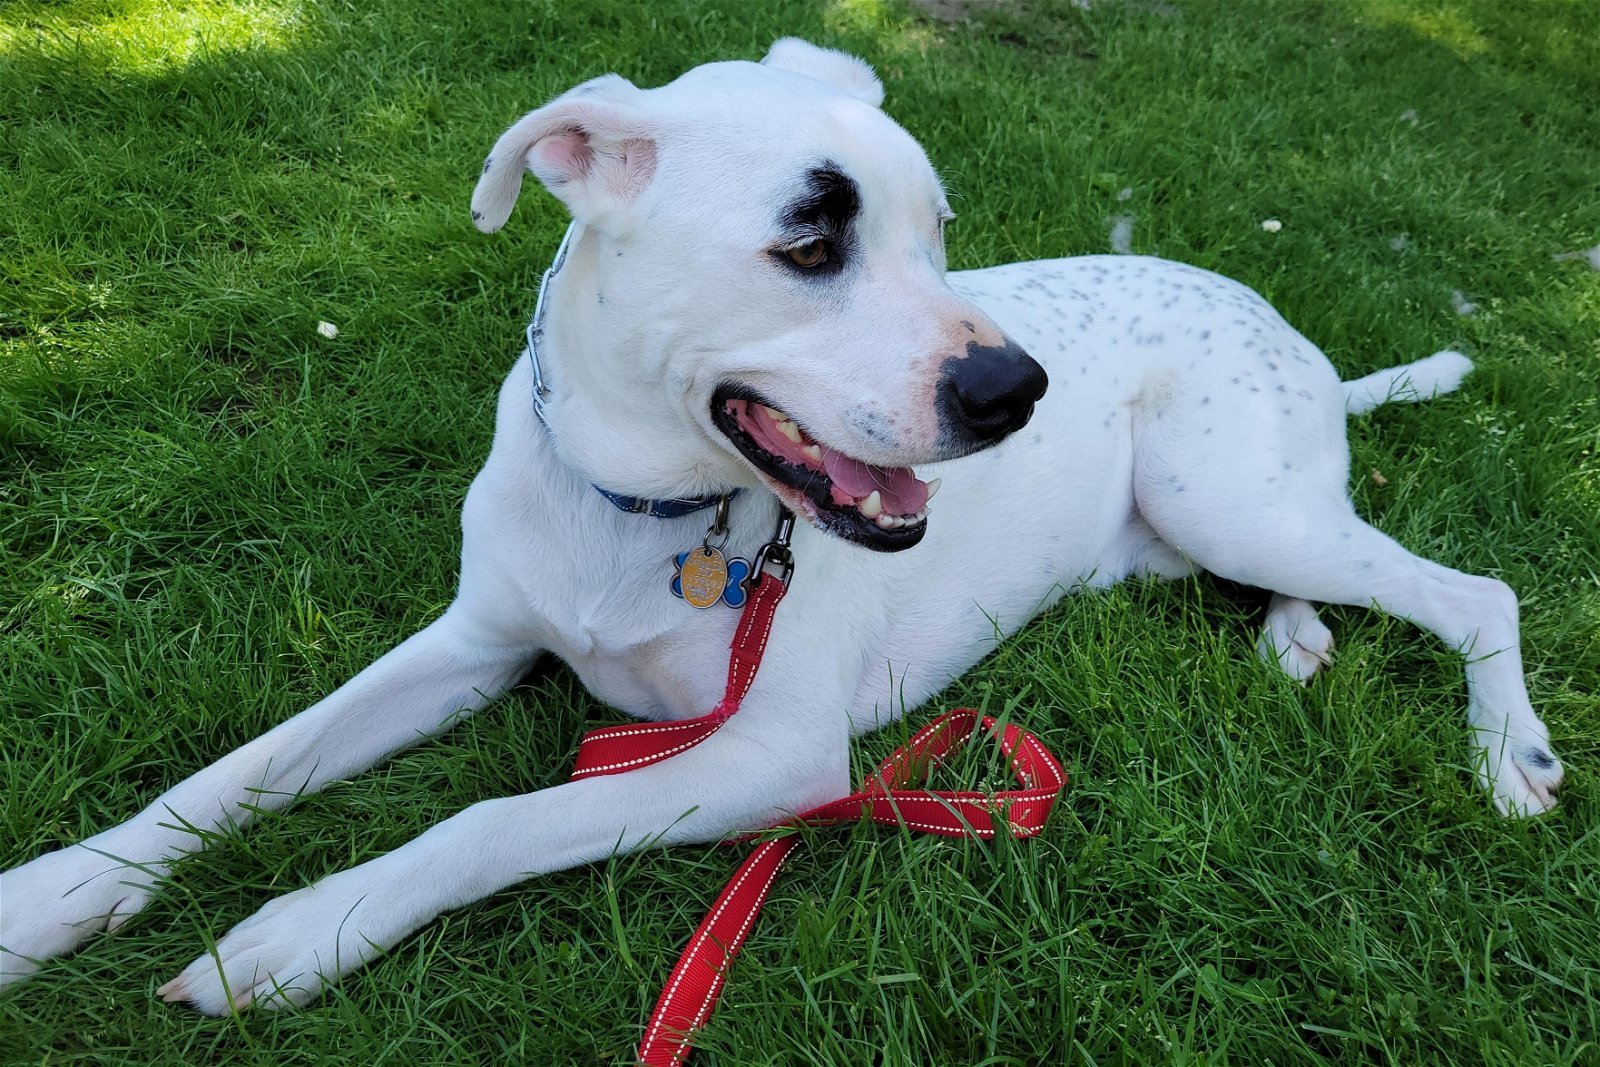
(901, 491)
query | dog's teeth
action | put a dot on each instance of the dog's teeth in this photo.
(933, 487)
(790, 430)
(872, 507)
(813, 453)
(772, 413)
(887, 521)
(921, 516)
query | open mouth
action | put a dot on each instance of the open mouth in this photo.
(885, 508)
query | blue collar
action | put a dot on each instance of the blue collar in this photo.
(662, 509)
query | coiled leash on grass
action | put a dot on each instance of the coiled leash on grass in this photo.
(888, 796)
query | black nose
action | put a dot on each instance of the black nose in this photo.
(990, 392)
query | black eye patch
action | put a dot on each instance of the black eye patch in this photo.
(829, 204)
(824, 210)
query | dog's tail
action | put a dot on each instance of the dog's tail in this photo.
(1408, 384)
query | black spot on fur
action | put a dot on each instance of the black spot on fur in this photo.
(1540, 759)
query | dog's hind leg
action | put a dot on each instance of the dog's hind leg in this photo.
(430, 681)
(1262, 501)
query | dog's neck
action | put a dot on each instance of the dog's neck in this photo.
(572, 345)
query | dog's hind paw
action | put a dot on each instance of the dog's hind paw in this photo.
(1295, 639)
(1521, 773)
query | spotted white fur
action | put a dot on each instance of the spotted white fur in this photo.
(1187, 427)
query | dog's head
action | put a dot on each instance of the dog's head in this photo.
(758, 293)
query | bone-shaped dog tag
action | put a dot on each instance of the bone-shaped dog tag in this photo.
(702, 576)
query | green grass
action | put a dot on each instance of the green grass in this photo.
(210, 515)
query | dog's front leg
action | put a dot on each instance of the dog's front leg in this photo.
(448, 670)
(754, 772)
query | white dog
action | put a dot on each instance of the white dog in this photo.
(755, 303)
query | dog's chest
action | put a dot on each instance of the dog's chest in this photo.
(674, 673)
(635, 644)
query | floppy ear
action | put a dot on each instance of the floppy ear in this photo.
(838, 69)
(592, 147)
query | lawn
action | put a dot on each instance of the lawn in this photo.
(211, 514)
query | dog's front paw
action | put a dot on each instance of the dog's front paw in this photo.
(286, 952)
(1519, 769)
(51, 905)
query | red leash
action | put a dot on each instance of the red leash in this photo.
(614, 749)
(696, 982)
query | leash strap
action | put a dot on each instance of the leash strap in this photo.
(696, 982)
(615, 749)
(888, 796)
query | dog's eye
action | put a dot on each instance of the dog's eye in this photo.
(810, 254)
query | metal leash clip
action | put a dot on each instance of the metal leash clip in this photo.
(776, 552)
